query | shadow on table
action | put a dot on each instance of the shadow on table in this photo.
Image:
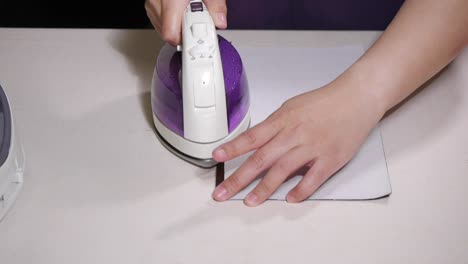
(85, 160)
(98, 160)
(140, 48)
(215, 212)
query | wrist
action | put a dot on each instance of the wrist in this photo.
(366, 85)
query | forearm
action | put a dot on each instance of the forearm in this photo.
(422, 39)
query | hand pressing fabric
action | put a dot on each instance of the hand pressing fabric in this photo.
(324, 128)
(309, 130)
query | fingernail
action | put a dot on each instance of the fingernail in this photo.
(220, 193)
(251, 199)
(222, 19)
(290, 199)
(219, 154)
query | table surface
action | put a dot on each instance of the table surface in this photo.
(99, 187)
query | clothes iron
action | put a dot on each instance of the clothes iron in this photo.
(11, 158)
(199, 96)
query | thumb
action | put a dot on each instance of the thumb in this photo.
(172, 12)
(218, 11)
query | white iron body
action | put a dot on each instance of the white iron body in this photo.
(204, 99)
(202, 79)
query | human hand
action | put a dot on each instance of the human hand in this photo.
(166, 16)
(321, 129)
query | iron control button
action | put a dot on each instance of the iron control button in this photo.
(201, 51)
(199, 30)
(196, 7)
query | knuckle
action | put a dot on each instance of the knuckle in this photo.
(287, 105)
(221, 7)
(150, 6)
(277, 123)
(147, 5)
(273, 115)
(231, 149)
(168, 35)
(250, 137)
(320, 173)
(263, 189)
(289, 109)
(284, 167)
(157, 27)
(291, 112)
(298, 133)
(258, 159)
(232, 184)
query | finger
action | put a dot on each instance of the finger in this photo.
(314, 178)
(157, 25)
(155, 20)
(285, 166)
(218, 11)
(153, 6)
(172, 12)
(249, 140)
(261, 160)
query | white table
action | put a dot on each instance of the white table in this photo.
(99, 187)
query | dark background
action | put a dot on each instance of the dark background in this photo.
(243, 14)
(73, 13)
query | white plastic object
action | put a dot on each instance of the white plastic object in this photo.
(194, 149)
(12, 168)
(204, 104)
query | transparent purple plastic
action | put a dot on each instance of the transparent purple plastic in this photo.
(166, 94)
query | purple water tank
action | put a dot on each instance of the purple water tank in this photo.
(166, 94)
